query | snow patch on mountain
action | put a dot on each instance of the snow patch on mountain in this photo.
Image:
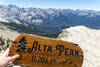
(89, 42)
(43, 19)
(3, 20)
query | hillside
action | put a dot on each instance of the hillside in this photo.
(50, 21)
(8, 33)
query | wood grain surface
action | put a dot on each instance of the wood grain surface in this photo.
(38, 51)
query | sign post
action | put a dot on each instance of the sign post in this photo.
(45, 52)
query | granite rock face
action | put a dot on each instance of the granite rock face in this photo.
(88, 40)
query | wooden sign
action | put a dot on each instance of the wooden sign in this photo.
(38, 51)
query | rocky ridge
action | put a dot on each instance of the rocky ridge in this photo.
(88, 40)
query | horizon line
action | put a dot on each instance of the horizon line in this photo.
(49, 7)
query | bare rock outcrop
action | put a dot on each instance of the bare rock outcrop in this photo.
(89, 42)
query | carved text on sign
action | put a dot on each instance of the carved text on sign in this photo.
(37, 50)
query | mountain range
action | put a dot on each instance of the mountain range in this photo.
(80, 26)
(49, 22)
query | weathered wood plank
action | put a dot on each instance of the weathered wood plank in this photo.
(45, 52)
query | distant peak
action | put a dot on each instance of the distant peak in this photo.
(12, 6)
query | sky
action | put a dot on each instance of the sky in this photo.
(62, 4)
